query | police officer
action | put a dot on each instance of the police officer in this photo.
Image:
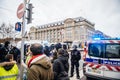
(75, 57)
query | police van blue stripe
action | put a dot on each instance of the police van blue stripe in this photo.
(110, 62)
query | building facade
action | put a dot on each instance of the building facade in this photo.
(69, 30)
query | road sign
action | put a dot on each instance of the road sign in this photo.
(18, 26)
(20, 11)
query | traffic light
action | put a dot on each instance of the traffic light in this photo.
(29, 13)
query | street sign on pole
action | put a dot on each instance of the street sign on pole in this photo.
(18, 26)
(21, 14)
(20, 11)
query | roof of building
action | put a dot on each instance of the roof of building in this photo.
(58, 23)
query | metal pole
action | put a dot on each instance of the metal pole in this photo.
(22, 43)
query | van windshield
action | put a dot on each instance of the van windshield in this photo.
(95, 50)
(107, 50)
(112, 51)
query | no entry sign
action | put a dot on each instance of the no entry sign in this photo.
(20, 11)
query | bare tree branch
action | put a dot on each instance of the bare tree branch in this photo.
(7, 30)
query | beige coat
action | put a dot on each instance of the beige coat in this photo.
(40, 69)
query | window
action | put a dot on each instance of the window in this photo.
(95, 50)
(113, 50)
(69, 32)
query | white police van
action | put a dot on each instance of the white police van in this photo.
(102, 59)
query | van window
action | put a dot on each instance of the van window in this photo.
(112, 51)
(95, 50)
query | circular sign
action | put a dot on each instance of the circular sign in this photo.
(20, 11)
(18, 26)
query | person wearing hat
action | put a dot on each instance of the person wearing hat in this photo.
(75, 57)
(55, 55)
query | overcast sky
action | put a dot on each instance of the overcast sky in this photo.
(104, 13)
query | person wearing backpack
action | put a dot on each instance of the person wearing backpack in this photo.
(75, 57)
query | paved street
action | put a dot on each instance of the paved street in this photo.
(82, 77)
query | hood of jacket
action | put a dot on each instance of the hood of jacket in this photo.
(41, 60)
(7, 65)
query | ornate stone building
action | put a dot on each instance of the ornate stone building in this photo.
(71, 29)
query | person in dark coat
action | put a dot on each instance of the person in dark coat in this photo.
(1, 53)
(16, 53)
(7, 47)
(4, 50)
(60, 66)
(55, 55)
(66, 55)
(75, 57)
(47, 50)
(58, 46)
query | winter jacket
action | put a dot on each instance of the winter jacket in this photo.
(57, 66)
(3, 52)
(40, 68)
(75, 56)
(8, 71)
(54, 56)
(66, 57)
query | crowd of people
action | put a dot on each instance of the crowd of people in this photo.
(8, 61)
(43, 63)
